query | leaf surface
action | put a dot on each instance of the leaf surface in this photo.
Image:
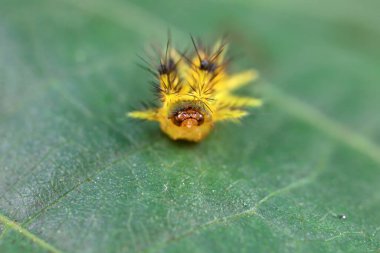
(299, 175)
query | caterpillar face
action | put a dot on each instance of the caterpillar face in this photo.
(188, 117)
(187, 114)
(195, 92)
(187, 120)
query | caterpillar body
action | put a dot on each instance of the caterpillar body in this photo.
(195, 92)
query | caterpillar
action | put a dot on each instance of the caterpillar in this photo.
(195, 92)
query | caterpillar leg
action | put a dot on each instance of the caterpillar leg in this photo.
(147, 115)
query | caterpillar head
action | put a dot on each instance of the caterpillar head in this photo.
(187, 120)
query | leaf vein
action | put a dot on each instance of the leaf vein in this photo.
(318, 120)
(250, 212)
(34, 238)
(97, 172)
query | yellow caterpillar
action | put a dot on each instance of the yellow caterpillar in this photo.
(196, 92)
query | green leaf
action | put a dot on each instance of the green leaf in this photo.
(299, 175)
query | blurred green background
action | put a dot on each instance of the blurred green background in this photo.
(77, 176)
